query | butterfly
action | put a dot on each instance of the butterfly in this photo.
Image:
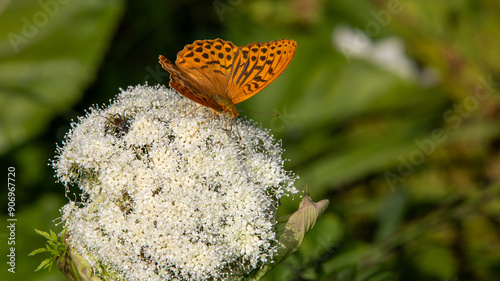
(218, 74)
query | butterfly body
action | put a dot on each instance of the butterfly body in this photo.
(227, 105)
(218, 74)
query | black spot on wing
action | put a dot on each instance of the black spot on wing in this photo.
(245, 54)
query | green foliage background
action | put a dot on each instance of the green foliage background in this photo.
(411, 169)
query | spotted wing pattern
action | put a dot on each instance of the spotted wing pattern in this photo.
(209, 69)
(256, 65)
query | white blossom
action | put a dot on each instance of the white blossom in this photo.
(158, 202)
(387, 53)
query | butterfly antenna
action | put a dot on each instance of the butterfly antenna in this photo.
(275, 114)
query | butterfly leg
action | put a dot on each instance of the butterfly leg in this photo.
(190, 112)
(226, 129)
(230, 121)
(211, 117)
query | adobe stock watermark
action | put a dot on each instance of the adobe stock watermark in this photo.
(11, 222)
(278, 123)
(453, 118)
(31, 25)
(223, 6)
(373, 28)
(157, 73)
(321, 253)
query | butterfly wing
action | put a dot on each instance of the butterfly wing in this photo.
(207, 63)
(256, 65)
(186, 87)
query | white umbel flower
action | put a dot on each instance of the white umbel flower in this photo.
(160, 203)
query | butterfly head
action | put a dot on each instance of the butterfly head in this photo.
(228, 108)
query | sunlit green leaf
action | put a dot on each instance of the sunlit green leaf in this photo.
(49, 52)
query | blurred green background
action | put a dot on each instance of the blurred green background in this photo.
(390, 109)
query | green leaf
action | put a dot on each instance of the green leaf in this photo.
(55, 245)
(46, 263)
(50, 51)
(386, 276)
(43, 233)
(347, 274)
(53, 235)
(391, 213)
(294, 231)
(37, 251)
(354, 273)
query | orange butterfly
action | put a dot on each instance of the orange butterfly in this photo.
(218, 74)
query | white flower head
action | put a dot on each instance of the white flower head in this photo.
(161, 203)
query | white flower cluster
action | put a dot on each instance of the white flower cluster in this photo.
(161, 203)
